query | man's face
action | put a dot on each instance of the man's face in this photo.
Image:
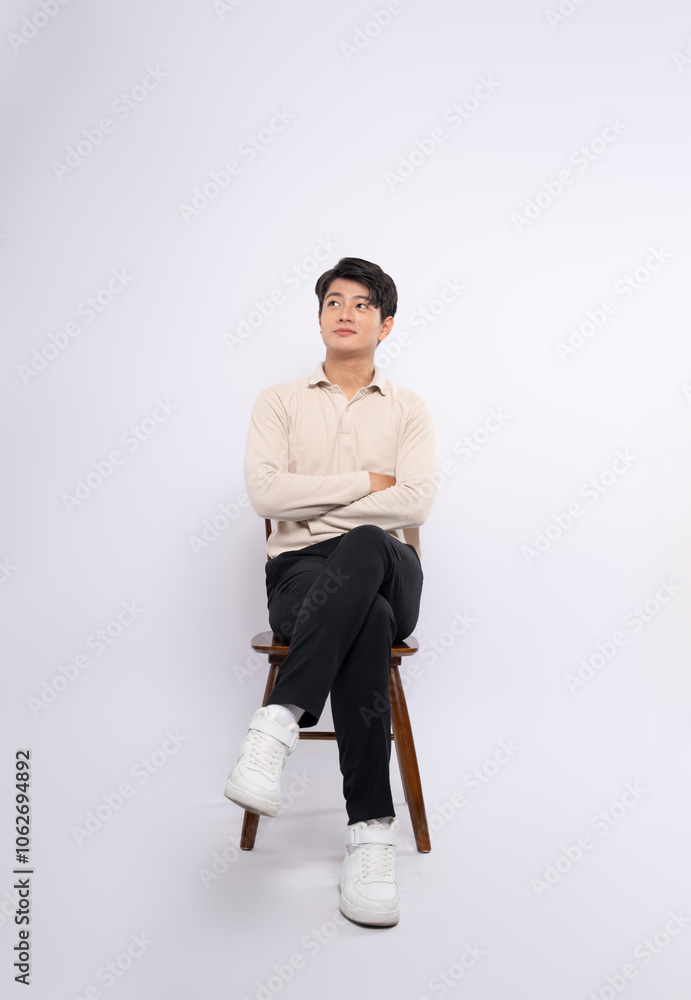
(350, 325)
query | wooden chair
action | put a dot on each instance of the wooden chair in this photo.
(266, 642)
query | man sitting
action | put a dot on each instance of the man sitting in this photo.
(344, 462)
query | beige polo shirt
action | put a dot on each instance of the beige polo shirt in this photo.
(310, 451)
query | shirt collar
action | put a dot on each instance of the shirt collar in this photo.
(378, 379)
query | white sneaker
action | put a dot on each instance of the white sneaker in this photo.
(369, 894)
(255, 781)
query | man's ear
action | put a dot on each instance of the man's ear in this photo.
(386, 328)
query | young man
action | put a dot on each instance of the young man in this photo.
(344, 461)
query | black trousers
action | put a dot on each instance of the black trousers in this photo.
(341, 604)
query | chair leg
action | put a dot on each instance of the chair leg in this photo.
(407, 759)
(271, 679)
(249, 831)
(251, 820)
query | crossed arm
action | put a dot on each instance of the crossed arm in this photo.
(343, 500)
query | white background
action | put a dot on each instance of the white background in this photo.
(365, 98)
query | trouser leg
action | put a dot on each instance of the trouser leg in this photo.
(342, 604)
(361, 709)
(364, 562)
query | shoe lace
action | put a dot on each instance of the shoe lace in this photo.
(377, 861)
(264, 752)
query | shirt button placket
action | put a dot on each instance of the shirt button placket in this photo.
(347, 436)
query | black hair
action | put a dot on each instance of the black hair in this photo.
(382, 290)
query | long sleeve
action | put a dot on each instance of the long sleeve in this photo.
(276, 492)
(407, 504)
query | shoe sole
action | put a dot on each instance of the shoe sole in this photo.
(252, 803)
(368, 917)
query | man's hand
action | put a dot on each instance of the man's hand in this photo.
(378, 482)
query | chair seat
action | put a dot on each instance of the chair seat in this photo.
(266, 642)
